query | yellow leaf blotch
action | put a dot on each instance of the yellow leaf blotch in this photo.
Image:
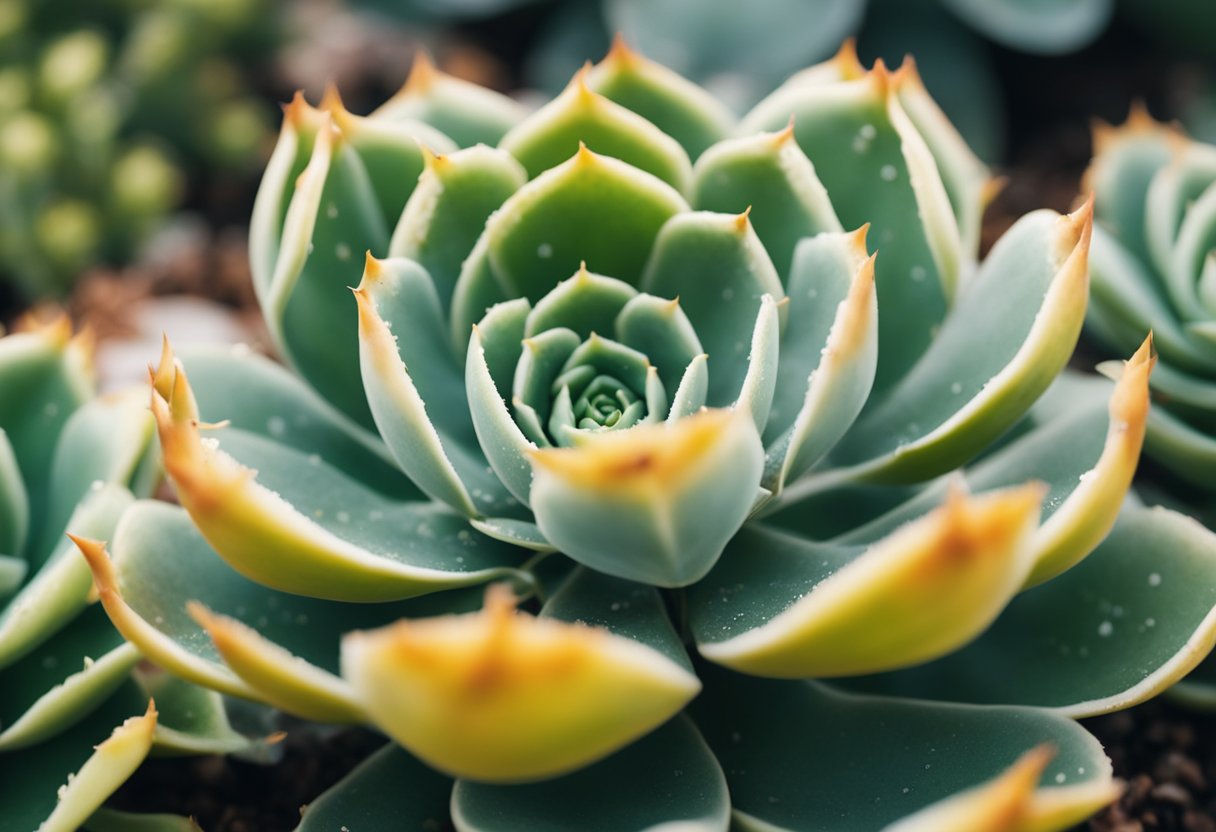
(655, 457)
(502, 696)
(923, 591)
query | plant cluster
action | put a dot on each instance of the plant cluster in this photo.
(630, 469)
(103, 108)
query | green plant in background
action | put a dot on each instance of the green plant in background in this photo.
(741, 51)
(103, 107)
(633, 364)
(1154, 266)
(71, 462)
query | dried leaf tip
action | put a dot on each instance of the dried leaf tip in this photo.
(423, 75)
(620, 54)
(785, 135)
(856, 241)
(743, 220)
(105, 580)
(846, 61)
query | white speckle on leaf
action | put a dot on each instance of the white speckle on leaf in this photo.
(888, 173)
(544, 251)
(1154, 579)
(1105, 629)
(342, 251)
(276, 425)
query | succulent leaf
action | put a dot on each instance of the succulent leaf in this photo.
(783, 607)
(676, 106)
(770, 175)
(399, 324)
(671, 777)
(996, 353)
(779, 733)
(1055, 645)
(656, 504)
(466, 112)
(447, 209)
(580, 116)
(500, 696)
(28, 790)
(408, 794)
(828, 361)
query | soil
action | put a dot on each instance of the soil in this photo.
(1165, 755)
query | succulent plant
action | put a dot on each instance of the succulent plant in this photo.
(102, 108)
(633, 366)
(1154, 266)
(71, 461)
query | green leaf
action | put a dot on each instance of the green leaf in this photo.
(585, 303)
(60, 589)
(505, 444)
(778, 605)
(391, 152)
(773, 738)
(105, 441)
(744, 49)
(760, 382)
(1112, 631)
(191, 719)
(660, 330)
(1012, 332)
(389, 790)
(400, 323)
(258, 396)
(448, 209)
(678, 107)
(718, 268)
(1187, 452)
(769, 174)
(333, 218)
(1053, 29)
(625, 608)
(655, 504)
(30, 782)
(592, 209)
(581, 117)
(828, 354)
(466, 112)
(671, 779)
(14, 502)
(146, 588)
(45, 377)
(877, 169)
(304, 527)
(62, 680)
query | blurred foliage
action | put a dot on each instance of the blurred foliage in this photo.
(104, 107)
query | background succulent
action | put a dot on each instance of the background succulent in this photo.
(738, 427)
(71, 462)
(104, 107)
(1154, 265)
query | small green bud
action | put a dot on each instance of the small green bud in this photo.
(73, 63)
(68, 231)
(144, 182)
(28, 143)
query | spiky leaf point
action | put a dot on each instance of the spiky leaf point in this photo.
(580, 116)
(466, 112)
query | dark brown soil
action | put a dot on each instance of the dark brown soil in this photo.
(224, 794)
(1167, 756)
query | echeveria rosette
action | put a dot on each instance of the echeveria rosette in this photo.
(1154, 265)
(73, 463)
(633, 362)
